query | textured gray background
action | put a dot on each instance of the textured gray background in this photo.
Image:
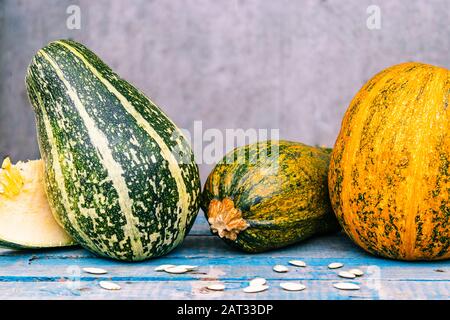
(292, 65)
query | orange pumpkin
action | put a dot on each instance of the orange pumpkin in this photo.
(389, 177)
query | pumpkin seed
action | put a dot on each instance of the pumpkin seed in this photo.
(297, 263)
(216, 287)
(335, 265)
(164, 267)
(356, 272)
(257, 282)
(346, 274)
(292, 286)
(280, 268)
(108, 285)
(176, 270)
(346, 286)
(255, 289)
(95, 270)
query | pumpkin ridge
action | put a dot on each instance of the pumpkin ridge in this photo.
(432, 91)
(348, 222)
(418, 164)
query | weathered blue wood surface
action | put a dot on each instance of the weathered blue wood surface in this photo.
(57, 274)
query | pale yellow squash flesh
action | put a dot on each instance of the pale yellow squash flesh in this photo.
(26, 220)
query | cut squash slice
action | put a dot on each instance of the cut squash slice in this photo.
(26, 220)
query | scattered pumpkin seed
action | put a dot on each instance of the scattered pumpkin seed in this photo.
(280, 268)
(108, 285)
(356, 272)
(346, 274)
(335, 265)
(257, 282)
(216, 287)
(346, 286)
(163, 267)
(176, 270)
(95, 270)
(297, 263)
(255, 289)
(292, 286)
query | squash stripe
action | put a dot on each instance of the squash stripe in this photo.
(58, 173)
(348, 156)
(417, 169)
(183, 195)
(115, 171)
(429, 138)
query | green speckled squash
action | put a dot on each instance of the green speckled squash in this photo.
(120, 177)
(269, 195)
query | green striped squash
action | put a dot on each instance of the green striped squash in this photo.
(268, 195)
(120, 176)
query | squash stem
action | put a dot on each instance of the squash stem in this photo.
(225, 219)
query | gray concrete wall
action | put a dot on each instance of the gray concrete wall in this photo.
(287, 64)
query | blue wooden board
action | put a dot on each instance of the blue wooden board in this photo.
(57, 274)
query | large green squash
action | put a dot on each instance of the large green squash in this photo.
(269, 195)
(389, 175)
(120, 176)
